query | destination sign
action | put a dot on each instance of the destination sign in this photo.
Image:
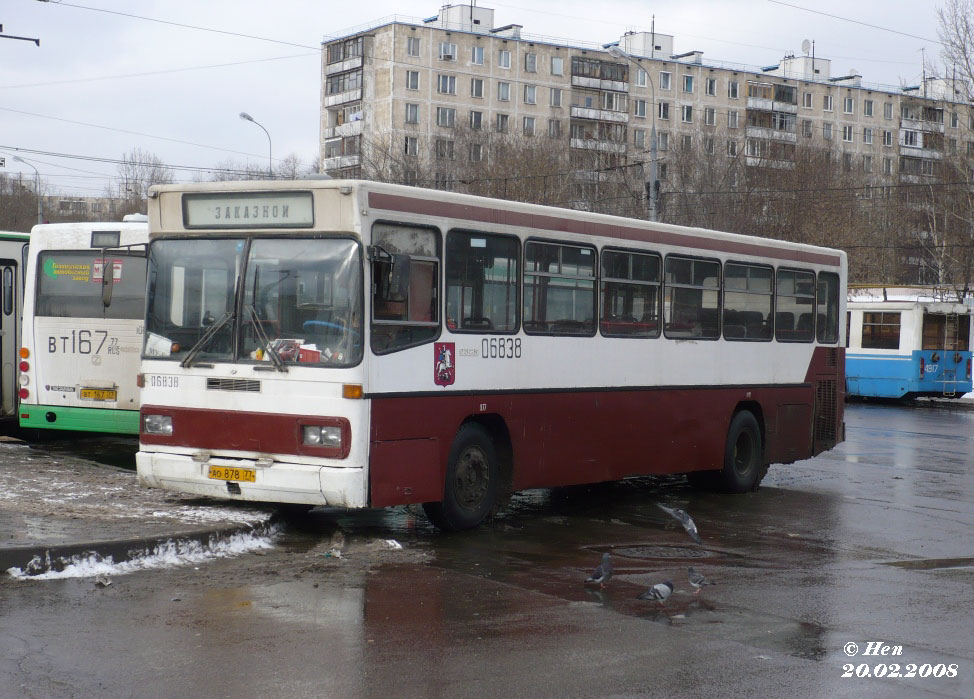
(248, 210)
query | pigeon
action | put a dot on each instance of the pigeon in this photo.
(697, 579)
(658, 592)
(683, 518)
(602, 572)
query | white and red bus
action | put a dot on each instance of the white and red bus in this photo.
(358, 344)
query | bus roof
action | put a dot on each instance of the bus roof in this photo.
(478, 211)
(14, 235)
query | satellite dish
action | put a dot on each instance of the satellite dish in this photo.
(806, 46)
(853, 71)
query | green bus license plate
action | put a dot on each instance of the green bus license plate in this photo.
(99, 394)
(227, 473)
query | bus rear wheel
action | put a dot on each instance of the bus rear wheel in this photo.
(744, 466)
(472, 480)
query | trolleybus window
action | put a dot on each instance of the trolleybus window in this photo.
(828, 307)
(946, 332)
(481, 282)
(303, 297)
(630, 294)
(880, 331)
(70, 284)
(747, 302)
(691, 306)
(794, 317)
(559, 289)
(405, 279)
(191, 297)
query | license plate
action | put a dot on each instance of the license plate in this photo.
(228, 473)
(99, 394)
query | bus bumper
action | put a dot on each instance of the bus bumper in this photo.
(282, 482)
(60, 417)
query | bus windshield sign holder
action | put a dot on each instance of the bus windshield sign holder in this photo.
(248, 210)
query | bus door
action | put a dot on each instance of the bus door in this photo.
(9, 336)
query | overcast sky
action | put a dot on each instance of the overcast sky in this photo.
(102, 84)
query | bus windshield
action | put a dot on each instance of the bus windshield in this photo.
(70, 284)
(296, 299)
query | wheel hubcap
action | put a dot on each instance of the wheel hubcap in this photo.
(743, 453)
(471, 478)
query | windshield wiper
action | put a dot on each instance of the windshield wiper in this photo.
(262, 337)
(205, 339)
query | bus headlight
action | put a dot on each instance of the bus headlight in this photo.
(157, 424)
(316, 436)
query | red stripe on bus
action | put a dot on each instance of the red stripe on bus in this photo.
(546, 222)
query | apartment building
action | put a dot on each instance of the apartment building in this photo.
(413, 86)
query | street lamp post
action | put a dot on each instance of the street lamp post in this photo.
(270, 166)
(37, 188)
(652, 182)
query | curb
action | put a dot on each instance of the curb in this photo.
(58, 556)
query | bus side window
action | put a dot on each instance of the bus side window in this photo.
(828, 308)
(404, 298)
(630, 297)
(795, 306)
(559, 289)
(691, 298)
(481, 282)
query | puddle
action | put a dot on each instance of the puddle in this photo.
(932, 563)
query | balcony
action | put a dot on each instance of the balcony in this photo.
(342, 66)
(921, 125)
(766, 105)
(343, 97)
(752, 161)
(350, 128)
(592, 144)
(597, 84)
(771, 134)
(341, 162)
(600, 115)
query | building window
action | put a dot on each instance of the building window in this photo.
(444, 180)
(502, 123)
(887, 166)
(827, 131)
(412, 46)
(446, 116)
(476, 120)
(476, 87)
(504, 58)
(710, 86)
(686, 142)
(733, 119)
(343, 82)
(887, 110)
(530, 94)
(641, 77)
(807, 128)
(528, 125)
(664, 110)
(887, 137)
(867, 136)
(847, 134)
(665, 80)
(412, 79)
(530, 63)
(732, 148)
(911, 138)
(847, 162)
(504, 92)
(827, 103)
(807, 100)
(733, 89)
(663, 140)
(709, 145)
(639, 138)
(688, 83)
(445, 149)
(710, 116)
(849, 106)
(557, 65)
(687, 113)
(639, 108)
(554, 128)
(555, 97)
(412, 145)
(953, 120)
(867, 163)
(867, 108)
(448, 51)
(446, 84)
(477, 55)
(412, 113)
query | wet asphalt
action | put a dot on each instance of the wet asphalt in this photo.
(868, 543)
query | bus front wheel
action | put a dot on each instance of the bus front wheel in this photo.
(744, 466)
(472, 480)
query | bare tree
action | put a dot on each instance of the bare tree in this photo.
(139, 170)
(18, 204)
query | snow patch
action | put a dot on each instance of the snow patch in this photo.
(170, 554)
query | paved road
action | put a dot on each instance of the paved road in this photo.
(868, 543)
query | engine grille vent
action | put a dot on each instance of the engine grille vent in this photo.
(825, 409)
(831, 357)
(246, 385)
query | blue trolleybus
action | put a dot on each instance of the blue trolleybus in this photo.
(905, 343)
